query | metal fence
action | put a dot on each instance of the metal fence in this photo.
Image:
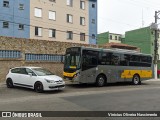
(44, 57)
(10, 54)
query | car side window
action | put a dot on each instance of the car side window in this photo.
(23, 71)
(16, 70)
(30, 71)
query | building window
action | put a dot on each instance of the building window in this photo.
(93, 5)
(5, 3)
(52, 15)
(38, 31)
(5, 24)
(52, 0)
(21, 6)
(82, 21)
(70, 3)
(110, 37)
(69, 35)
(52, 33)
(115, 37)
(82, 36)
(21, 27)
(93, 36)
(37, 12)
(119, 38)
(93, 21)
(82, 5)
(69, 18)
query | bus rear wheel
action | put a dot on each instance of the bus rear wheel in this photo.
(136, 80)
(100, 81)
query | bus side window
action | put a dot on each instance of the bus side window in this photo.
(105, 58)
(124, 60)
(135, 60)
(115, 59)
(90, 59)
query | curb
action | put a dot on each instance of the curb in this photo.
(154, 80)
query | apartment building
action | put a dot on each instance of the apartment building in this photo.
(54, 20)
(108, 37)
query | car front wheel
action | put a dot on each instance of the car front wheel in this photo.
(38, 87)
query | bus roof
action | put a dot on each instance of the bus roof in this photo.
(115, 50)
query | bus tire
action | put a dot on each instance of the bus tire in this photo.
(100, 80)
(136, 80)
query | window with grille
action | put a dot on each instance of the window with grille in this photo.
(37, 12)
(82, 5)
(52, 15)
(69, 35)
(5, 3)
(70, 3)
(82, 21)
(69, 18)
(38, 31)
(21, 6)
(5, 24)
(82, 36)
(52, 33)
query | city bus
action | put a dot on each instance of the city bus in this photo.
(102, 66)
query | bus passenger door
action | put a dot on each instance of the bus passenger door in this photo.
(89, 66)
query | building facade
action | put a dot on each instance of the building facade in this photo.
(144, 39)
(14, 14)
(56, 20)
(108, 37)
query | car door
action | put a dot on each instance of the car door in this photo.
(29, 77)
(15, 75)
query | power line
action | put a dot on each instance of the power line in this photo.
(41, 21)
(96, 37)
(43, 27)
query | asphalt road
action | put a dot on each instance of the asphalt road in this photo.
(114, 97)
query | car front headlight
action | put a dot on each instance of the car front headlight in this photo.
(49, 81)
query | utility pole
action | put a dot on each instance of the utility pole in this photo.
(156, 45)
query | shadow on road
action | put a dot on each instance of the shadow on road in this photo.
(118, 84)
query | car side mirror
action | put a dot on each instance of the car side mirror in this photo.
(30, 74)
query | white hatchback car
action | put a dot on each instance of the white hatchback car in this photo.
(36, 78)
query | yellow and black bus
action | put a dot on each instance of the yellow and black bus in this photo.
(102, 66)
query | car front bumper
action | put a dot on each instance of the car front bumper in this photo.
(51, 86)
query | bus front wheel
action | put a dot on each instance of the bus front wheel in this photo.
(100, 81)
(136, 80)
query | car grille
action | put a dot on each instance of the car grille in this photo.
(59, 82)
(60, 86)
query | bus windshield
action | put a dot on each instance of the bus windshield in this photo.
(72, 60)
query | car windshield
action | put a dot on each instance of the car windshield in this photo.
(41, 72)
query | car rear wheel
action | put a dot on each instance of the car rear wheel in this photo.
(9, 83)
(38, 87)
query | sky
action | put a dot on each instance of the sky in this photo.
(119, 16)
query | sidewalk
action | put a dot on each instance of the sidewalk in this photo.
(2, 83)
(154, 80)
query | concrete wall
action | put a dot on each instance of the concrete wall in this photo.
(34, 47)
